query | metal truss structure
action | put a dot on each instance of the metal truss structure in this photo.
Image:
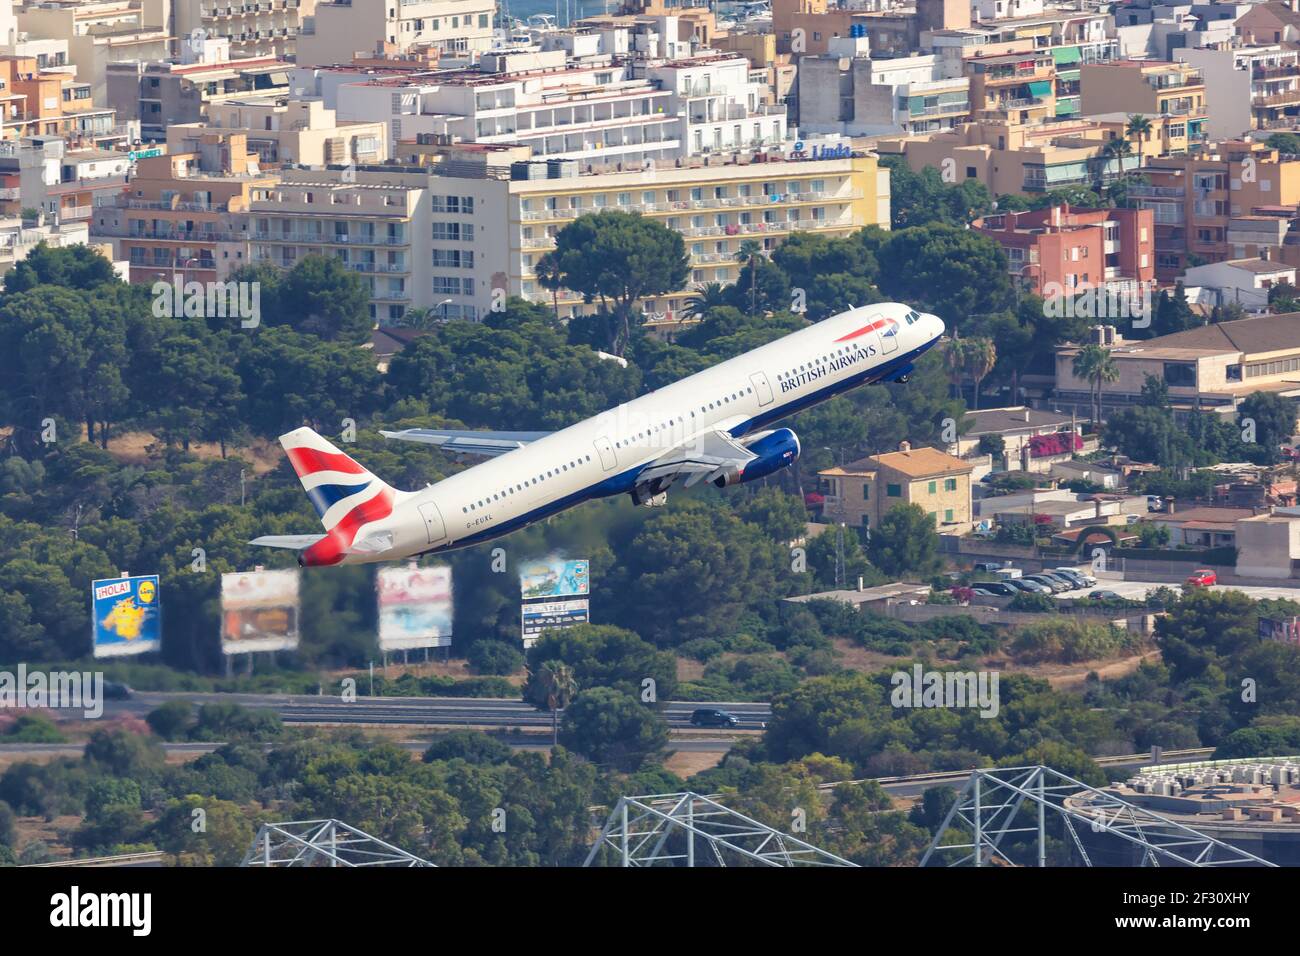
(323, 843)
(687, 829)
(989, 809)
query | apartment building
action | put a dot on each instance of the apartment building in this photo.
(863, 492)
(1197, 198)
(1212, 367)
(50, 102)
(1255, 87)
(254, 28)
(337, 29)
(1243, 282)
(806, 27)
(280, 130)
(163, 94)
(847, 92)
(1151, 89)
(99, 33)
(778, 69)
(465, 223)
(1018, 86)
(1059, 249)
(378, 224)
(1015, 157)
(186, 213)
(19, 237)
(592, 107)
(63, 185)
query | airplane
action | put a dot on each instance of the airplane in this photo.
(711, 426)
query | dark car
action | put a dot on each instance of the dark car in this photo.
(995, 588)
(116, 691)
(986, 566)
(706, 717)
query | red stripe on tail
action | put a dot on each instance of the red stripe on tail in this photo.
(308, 461)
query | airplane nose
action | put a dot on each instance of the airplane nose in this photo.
(937, 323)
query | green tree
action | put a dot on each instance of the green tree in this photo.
(612, 728)
(905, 543)
(638, 258)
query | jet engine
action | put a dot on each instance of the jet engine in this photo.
(775, 450)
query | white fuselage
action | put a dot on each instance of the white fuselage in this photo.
(601, 456)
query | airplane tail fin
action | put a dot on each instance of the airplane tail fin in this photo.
(344, 493)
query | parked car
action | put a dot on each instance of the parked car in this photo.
(1202, 578)
(707, 717)
(1008, 574)
(1155, 503)
(1083, 580)
(1029, 586)
(1070, 583)
(988, 567)
(1052, 584)
(995, 588)
(1105, 596)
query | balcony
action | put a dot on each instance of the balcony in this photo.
(326, 239)
(1156, 192)
(1288, 98)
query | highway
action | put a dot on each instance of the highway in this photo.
(479, 712)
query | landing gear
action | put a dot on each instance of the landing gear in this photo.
(653, 494)
(903, 379)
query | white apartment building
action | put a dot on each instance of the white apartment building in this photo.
(595, 108)
(339, 29)
(1251, 87)
(253, 27)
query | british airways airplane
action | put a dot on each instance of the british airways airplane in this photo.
(712, 426)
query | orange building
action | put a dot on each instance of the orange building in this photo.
(186, 213)
(1060, 248)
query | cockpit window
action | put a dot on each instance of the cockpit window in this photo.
(912, 316)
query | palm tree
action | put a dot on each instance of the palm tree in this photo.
(979, 357)
(954, 361)
(1096, 365)
(1118, 150)
(1139, 126)
(557, 680)
(547, 273)
(706, 297)
(748, 252)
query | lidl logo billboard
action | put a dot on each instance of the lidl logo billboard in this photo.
(126, 615)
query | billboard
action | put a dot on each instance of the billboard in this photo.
(415, 607)
(1285, 631)
(550, 578)
(545, 615)
(259, 611)
(126, 616)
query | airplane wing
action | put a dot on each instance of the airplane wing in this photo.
(704, 456)
(295, 542)
(486, 443)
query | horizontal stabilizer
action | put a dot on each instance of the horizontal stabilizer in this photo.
(295, 542)
(461, 442)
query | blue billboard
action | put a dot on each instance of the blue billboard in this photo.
(126, 615)
(554, 577)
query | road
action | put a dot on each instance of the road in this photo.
(1138, 590)
(486, 712)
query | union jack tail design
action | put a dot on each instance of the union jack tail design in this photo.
(344, 494)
